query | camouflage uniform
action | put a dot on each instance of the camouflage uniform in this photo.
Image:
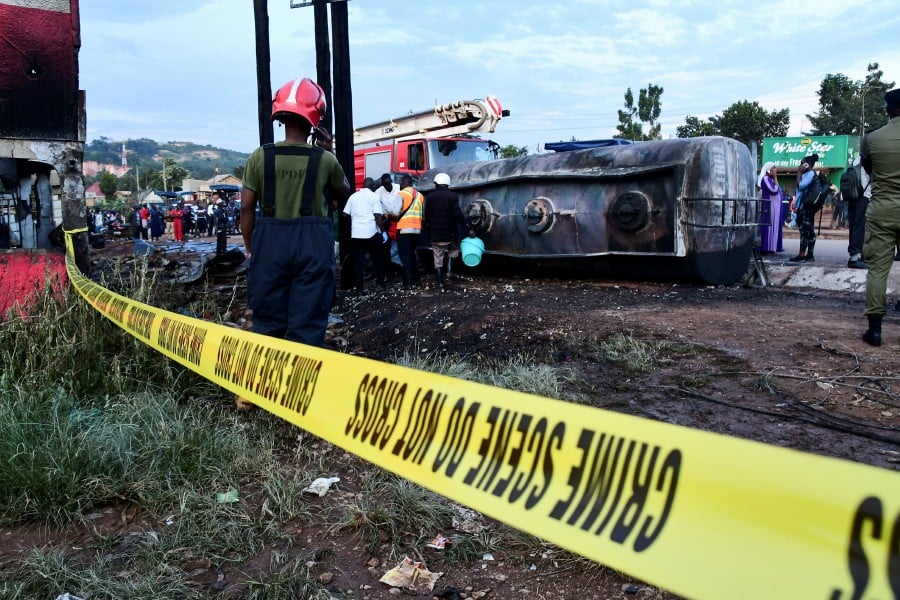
(806, 222)
(805, 218)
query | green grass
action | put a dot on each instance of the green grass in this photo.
(521, 373)
(391, 510)
(49, 573)
(631, 353)
(290, 579)
(91, 419)
(60, 457)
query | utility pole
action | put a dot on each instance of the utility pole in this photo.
(343, 92)
(263, 72)
(323, 58)
(340, 103)
(862, 114)
(343, 124)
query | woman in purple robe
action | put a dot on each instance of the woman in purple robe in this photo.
(770, 219)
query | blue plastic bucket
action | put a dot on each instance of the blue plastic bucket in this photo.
(471, 249)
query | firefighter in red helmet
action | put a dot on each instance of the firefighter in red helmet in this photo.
(291, 277)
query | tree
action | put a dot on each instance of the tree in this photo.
(151, 178)
(745, 121)
(238, 171)
(513, 151)
(104, 151)
(127, 182)
(174, 174)
(107, 185)
(694, 127)
(649, 109)
(872, 114)
(631, 119)
(628, 129)
(749, 122)
(836, 106)
(849, 107)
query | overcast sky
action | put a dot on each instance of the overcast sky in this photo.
(184, 70)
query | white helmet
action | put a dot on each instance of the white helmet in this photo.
(441, 179)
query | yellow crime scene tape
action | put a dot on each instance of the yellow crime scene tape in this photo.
(700, 514)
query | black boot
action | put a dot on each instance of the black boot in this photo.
(872, 336)
(449, 268)
(439, 274)
(809, 254)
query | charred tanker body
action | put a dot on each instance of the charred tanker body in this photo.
(681, 209)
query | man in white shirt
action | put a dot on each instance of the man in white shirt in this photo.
(211, 215)
(367, 234)
(389, 196)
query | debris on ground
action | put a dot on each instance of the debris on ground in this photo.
(438, 543)
(321, 485)
(411, 575)
(466, 520)
(229, 497)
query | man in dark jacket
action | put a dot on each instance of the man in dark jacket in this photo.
(443, 222)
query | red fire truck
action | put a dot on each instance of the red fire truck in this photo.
(427, 140)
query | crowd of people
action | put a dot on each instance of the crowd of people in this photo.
(292, 187)
(390, 223)
(218, 215)
(153, 222)
(871, 212)
(778, 208)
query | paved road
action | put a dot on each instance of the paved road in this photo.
(828, 272)
(828, 253)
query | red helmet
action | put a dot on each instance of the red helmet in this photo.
(301, 97)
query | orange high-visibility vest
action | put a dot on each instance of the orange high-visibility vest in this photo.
(412, 208)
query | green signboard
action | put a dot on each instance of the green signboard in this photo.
(835, 151)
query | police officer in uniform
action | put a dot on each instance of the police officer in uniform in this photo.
(880, 154)
(291, 278)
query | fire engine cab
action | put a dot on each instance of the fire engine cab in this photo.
(428, 140)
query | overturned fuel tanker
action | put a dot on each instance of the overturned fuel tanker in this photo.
(679, 209)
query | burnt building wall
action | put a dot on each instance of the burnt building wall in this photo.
(39, 97)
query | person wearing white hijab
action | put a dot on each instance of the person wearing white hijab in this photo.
(770, 218)
(763, 172)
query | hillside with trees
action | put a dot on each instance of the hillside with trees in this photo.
(186, 159)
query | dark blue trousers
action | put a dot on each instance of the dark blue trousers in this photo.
(406, 247)
(291, 280)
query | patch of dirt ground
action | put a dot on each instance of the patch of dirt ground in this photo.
(780, 366)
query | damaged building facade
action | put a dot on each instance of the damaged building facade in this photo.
(42, 125)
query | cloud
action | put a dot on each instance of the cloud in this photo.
(186, 70)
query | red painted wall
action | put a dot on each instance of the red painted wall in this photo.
(39, 46)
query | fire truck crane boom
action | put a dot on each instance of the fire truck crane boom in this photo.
(454, 118)
(414, 143)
